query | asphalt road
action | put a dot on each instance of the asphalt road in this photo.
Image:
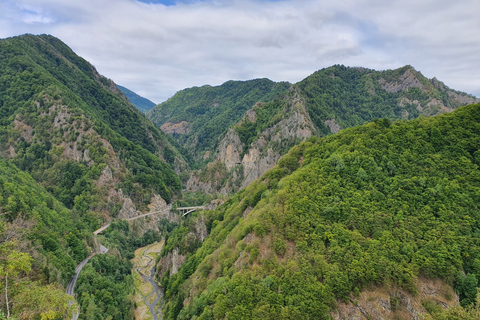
(73, 281)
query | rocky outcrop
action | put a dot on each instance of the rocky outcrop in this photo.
(461, 98)
(26, 131)
(181, 127)
(171, 262)
(332, 125)
(244, 166)
(230, 149)
(174, 259)
(408, 80)
(393, 303)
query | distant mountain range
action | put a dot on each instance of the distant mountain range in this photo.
(141, 103)
(233, 133)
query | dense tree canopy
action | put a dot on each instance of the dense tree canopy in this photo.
(382, 203)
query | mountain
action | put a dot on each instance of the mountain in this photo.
(377, 221)
(41, 242)
(75, 154)
(329, 100)
(196, 117)
(139, 102)
(76, 133)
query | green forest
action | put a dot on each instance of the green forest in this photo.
(210, 111)
(378, 204)
(387, 202)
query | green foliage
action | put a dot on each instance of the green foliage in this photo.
(210, 111)
(378, 204)
(61, 237)
(46, 88)
(104, 288)
(266, 116)
(467, 289)
(353, 96)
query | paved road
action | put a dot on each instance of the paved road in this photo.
(73, 281)
(147, 214)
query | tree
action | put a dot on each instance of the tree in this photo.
(11, 264)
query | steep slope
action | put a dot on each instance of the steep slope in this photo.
(323, 103)
(196, 117)
(76, 133)
(139, 102)
(377, 221)
(39, 235)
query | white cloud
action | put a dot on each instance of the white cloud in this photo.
(157, 50)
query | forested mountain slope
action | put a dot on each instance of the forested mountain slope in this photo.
(41, 242)
(76, 133)
(141, 103)
(323, 103)
(197, 116)
(383, 207)
(93, 157)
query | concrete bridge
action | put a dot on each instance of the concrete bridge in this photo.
(187, 210)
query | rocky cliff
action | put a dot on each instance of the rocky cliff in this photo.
(236, 165)
(382, 303)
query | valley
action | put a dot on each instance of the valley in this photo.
(148, 295)
(353, 193)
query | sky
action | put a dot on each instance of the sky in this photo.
(159, 47)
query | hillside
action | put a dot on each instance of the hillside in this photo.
(361, 224)
(75, 132)
(41, 242)
(141, 103)
(75, 154)
(325, 102)
(196, 117)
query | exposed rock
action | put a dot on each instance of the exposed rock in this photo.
(255, 164)
(262, 154)
(206, 155)
(105, 178)
(172, 261)
(250, 115)
(461, 98)
(393, 303)
(26, 131)
(230, 149)
(157, 203)
(404, 101)
(247, 211)
(408, 80)
(11, 152)
(214, 204)
(332, 125)
(128, 209)
(181, 127)
(200, 228)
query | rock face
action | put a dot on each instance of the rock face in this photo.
(174, 259)
(408, 80)
(382, 303)
(181, 127)
(230, 149)
(171, 262)
(244, 164)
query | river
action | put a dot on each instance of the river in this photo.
(148, 295)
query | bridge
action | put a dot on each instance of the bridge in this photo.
(101, 249)
(187, 210)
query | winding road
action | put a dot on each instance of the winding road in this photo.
(78, 269)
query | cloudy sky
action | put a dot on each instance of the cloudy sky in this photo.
(158, 47)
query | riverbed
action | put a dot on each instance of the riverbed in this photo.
(148, 295)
